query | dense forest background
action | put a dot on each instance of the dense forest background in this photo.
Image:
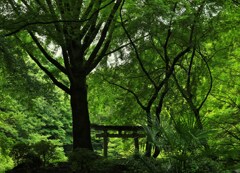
(172, 67)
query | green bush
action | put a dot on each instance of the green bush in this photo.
(6, 163)
(82, 159)
(45, 150)
(142, 164)
(20, 153)
(131, 164)
(39, 154)
(195, 162)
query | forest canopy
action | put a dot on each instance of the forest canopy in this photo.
(171, 67)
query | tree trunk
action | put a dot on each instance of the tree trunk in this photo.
(148, 144)
(80, 115)
(156, 152)
(198, 118)
(148, 149)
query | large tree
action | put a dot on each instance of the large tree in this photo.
(81, 30)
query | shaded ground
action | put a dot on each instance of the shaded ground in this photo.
(68, 168)
(89, 162)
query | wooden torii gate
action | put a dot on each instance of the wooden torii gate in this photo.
(117, 132)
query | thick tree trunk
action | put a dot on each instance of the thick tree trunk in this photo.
(80, 115)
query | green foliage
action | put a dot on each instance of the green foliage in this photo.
(183, 145)
(37, 154)
(45, 150)
(6, 163)
(82, 160)
(33, 112)
(136, 164)
(20, 152)
(197, 163)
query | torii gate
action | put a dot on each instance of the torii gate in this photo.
(119, 129)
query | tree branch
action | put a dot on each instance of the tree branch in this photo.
(124, 45)
(67, 63)
(103, 50)
(135, 48)
(169, 34)
(160, 103)
(103, 35)
(51, 9)
(44, 69)
(47, 56)
(128, 90)
(89, 27)
(54, 21)
(188, 86)
(211, 80)
(50, 75)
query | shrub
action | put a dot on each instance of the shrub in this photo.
(6, 163)
(35, 155)
(82, 159)
(45, 150)
(20, 153)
